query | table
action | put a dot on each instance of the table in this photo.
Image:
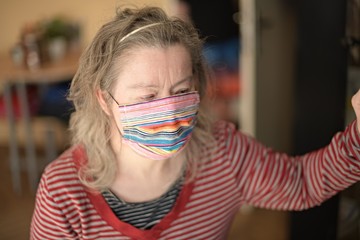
(11, 75)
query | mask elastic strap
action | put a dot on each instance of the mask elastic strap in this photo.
(113, 115)
(113, 98)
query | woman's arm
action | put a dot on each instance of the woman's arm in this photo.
(274, 180)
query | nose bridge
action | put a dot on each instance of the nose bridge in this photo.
(165, 89)
(164, 93)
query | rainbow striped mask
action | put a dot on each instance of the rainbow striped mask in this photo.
(160, 128)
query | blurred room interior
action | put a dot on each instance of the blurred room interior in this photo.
(294, 58)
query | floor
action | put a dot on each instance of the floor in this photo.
(259, 224)
(16, 211)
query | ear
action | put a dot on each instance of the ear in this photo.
(102, 102)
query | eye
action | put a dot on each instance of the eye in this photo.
(184, 90)
(147, 97)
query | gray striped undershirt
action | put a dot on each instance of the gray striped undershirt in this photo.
(144, 215)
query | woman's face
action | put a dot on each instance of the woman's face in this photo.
(150, 73)
(153, 72)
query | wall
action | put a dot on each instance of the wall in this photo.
(267, 68)
(276, 73)
(248, 65)
(90, 13)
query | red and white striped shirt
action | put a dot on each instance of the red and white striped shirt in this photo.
(238, 170)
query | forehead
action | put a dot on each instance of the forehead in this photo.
(153, 64)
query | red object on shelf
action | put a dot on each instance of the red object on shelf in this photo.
(32, 101)
(227, 85)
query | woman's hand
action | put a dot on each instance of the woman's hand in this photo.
(355, 101)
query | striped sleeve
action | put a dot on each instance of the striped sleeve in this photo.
(48, 221)
(274, 180)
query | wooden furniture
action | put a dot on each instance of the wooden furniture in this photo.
(24, 132)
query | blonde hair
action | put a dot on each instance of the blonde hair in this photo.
(89, 125)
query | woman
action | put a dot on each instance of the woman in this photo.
(146, 162)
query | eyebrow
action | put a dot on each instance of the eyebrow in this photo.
(142, 85)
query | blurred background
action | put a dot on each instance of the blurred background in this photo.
(284, 71)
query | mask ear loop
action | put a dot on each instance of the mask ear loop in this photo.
(122, 136)
(113, 98)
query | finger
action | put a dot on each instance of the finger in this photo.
(355, 100)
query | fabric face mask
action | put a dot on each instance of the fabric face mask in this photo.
(160, 128)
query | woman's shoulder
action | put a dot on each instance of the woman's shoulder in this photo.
(221, 132)
(66, 166)
(221, 154)
(222, 125)
(73, 156)
(224, 129)
(229, 135)
(60, 183)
